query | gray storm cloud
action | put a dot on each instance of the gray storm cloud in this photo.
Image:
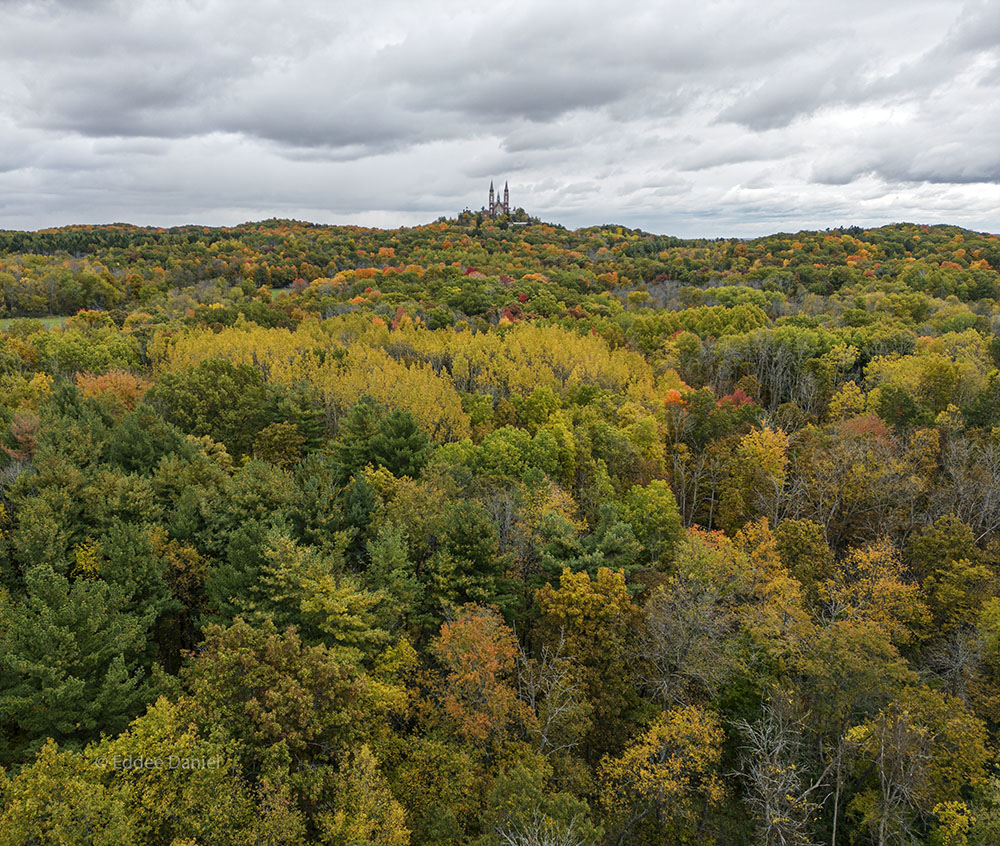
(738, 118)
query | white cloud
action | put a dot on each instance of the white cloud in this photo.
(737, 118)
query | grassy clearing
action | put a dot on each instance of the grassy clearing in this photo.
(49, 321)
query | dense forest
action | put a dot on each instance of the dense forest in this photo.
(505, 536)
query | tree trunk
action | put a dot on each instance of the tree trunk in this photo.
(836, 799)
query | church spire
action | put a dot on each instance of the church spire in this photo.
(506, 199)
(492, 204)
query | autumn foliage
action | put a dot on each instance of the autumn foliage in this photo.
(502, 536)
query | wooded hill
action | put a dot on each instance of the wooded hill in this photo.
(472, 534)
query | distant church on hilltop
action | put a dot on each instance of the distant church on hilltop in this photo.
(497, 207)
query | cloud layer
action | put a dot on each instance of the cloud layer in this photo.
(739, 118)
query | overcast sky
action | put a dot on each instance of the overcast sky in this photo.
(709, 118)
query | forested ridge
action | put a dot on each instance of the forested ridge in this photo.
(486, 534)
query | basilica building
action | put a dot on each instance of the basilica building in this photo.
(497, 207)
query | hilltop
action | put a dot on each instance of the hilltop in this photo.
(115, 267)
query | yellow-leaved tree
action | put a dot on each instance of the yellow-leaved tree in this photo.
(659, 788)
(756, 478)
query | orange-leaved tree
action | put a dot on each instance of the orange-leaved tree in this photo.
(477, 652)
